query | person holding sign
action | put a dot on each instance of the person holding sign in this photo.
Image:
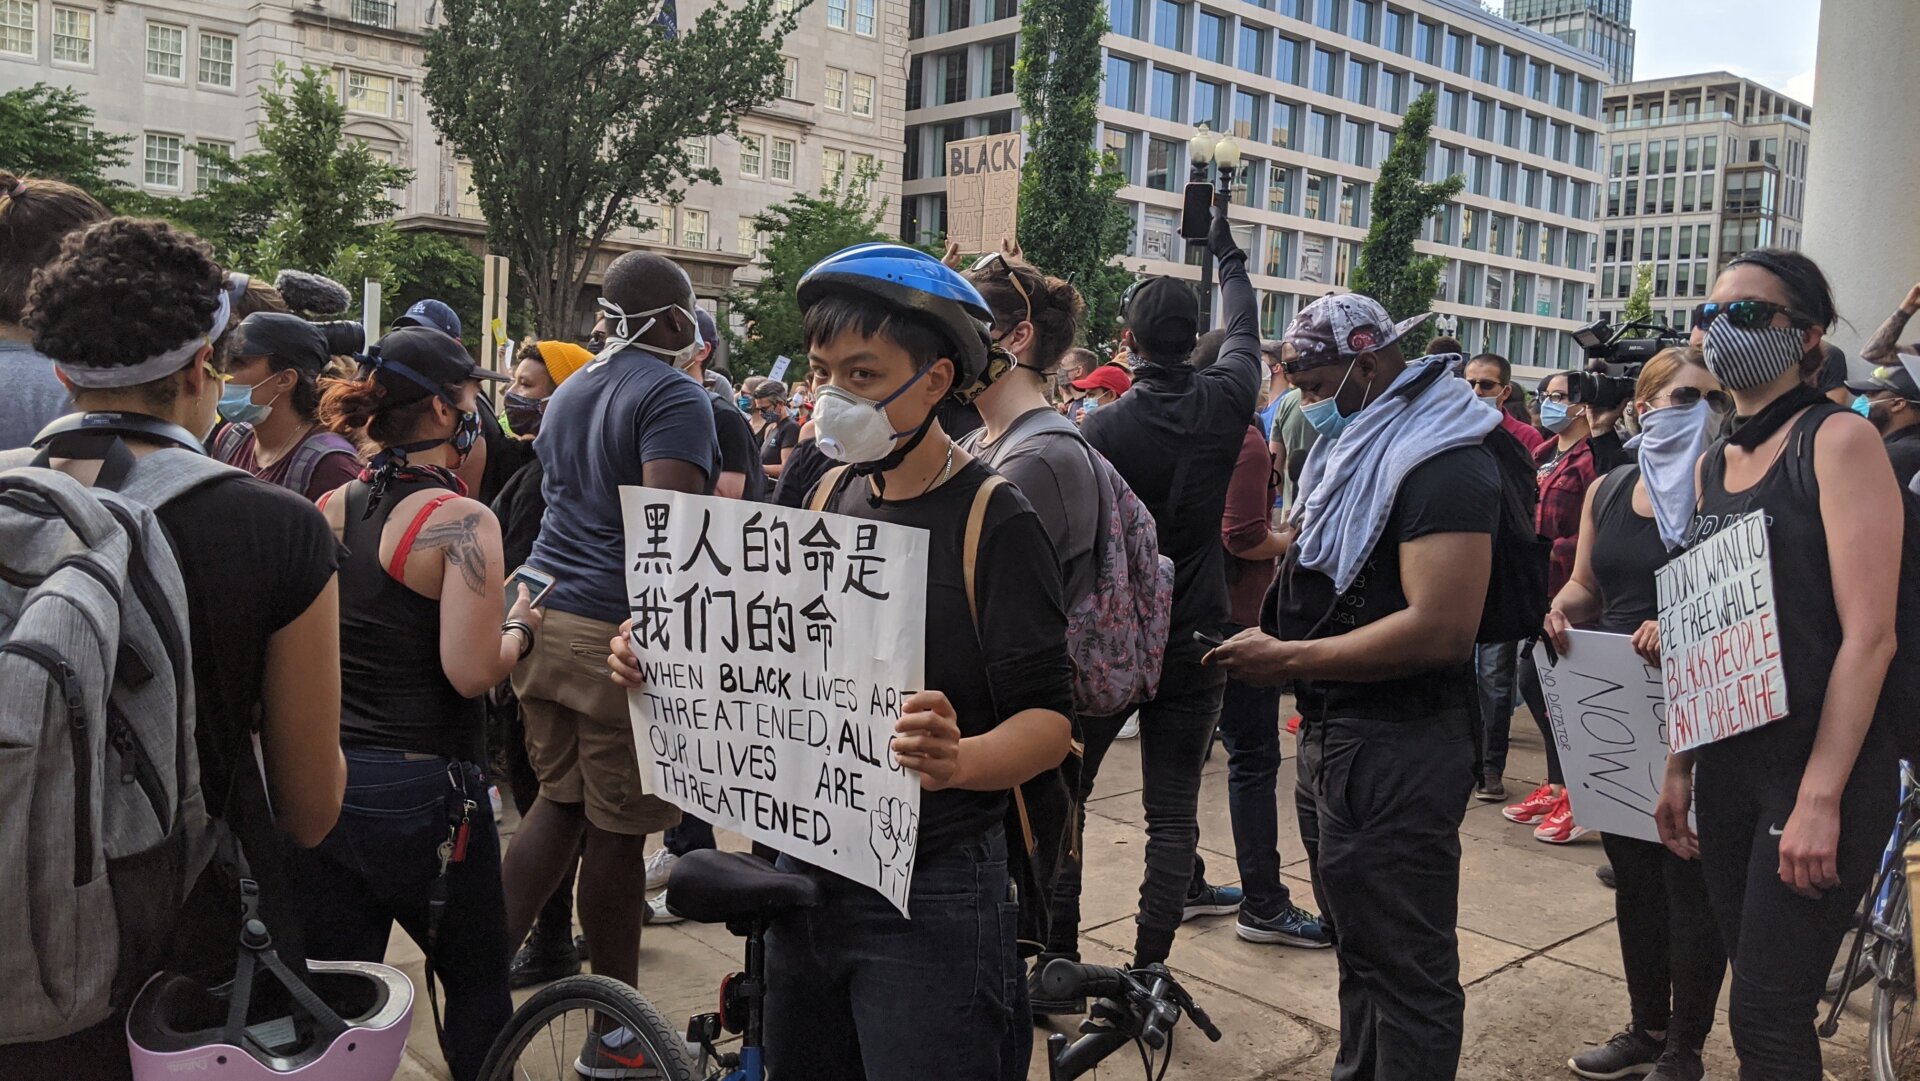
(1668, 943)
(856, 989)
(1792, 812)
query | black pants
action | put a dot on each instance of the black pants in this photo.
(1781, 944)
(1250, 728)
(1536, 701)
(1668, 940)
(1383, 839)
(1176, 730)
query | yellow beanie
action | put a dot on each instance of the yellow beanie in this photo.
(563, 359)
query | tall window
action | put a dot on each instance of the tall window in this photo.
(368, 93)
(790, 80)
(216, 60)
(1170, 24)
(1360, 20)
(166, 51)
(833, 167)
(1206, 105)
(693, 229)
(837, 14)
(862, 95)
(18, 24)
(953, 76)
(1286, 65)
(1210, 37)
(206, 169)
(1359, 82)
(1121, 75)
(696, 148)
(1252, 53)
(1124, 15)
(1322, 71)
(466, 202)
(72, 36)
(865, 22)
(1279, 191)
(1163, 172)
(1166, 98)
(1286, 121)
(1394, 35)
(373, 12)
(748, 237)
(749, 155)
(162, 165)
(1000, 57)
(864, 166)
(1246, 115)
(783, 160)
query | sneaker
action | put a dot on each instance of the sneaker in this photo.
(1679, 1064)
(1490, 790)
(1212, 901)
(499, 806)
(1534, 809)
(660, 868)
(538, 963)
(1044, 1006)
(616, 1055)
(1130, 729)
(1293, 724)
(659, 915)
(1559, 828)
(1604, 873)
(1628, 1054)
(1294, 926)
(580, 948)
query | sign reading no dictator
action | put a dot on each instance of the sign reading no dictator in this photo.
(1720, 635)
(1607, 709)
(983, 190)
(778, 646)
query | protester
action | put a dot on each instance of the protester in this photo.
(263, 630)
(281, 439)
(855, 988)
(630, 418)
(498, 456)
(1373, 617)
(803, 470)
(1890, 398)
(539, 371)
(1634, 519)
(779, 433)
(1444, 345)
(1273, 354)
(1101, 387)
(34, 215)
(1174, 437)
(1793, 815)
(1290, 436)
(1884, 345)
(1584, 447)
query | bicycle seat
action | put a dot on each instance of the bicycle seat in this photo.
(710, 886)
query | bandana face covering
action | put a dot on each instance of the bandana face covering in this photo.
(1671, 441)
(1743, 359)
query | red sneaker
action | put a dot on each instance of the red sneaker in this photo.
(1534, 809)
(1559, 827)
(1293, 724)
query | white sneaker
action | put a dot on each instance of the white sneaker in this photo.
(1131, 729)
(660, 868)
(499, 808)
(660, 914)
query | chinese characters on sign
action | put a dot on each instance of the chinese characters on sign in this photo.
(777, 647)
(1608, 712)
(1720, 636)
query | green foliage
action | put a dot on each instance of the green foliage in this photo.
(1639, 307)
(1070, 223)
(802, 231)
(1390, 270)
(48, 131)
(575, 116)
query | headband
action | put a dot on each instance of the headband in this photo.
(154, 367)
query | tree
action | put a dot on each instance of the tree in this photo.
(1639, 307)
(1390, 270)
(574, 115)
(803, 230)
(48, 131)
(1070, 224)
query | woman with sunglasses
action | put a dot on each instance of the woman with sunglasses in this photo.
(1792, 815)
(1634, 519)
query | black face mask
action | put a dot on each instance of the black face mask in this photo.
(520, 415)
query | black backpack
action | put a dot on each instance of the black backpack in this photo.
(1517, 598)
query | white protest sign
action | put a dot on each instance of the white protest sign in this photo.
(1608, 711)
(1720, 635)
(777, 646)
(780, 366)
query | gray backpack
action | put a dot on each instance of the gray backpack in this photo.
(103, 829)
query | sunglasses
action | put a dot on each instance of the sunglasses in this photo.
(987, 261)
(1717, 400)
(1745, 314)
(1484, 386)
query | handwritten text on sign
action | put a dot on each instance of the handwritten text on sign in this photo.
(778, 646)
(983, 190)
(1720, 636)
(1608, 712)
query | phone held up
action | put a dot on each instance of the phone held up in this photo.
(538, 582)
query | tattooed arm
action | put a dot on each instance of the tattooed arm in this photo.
(474, 651)
(1879, 349)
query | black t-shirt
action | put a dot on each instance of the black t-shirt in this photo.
(778, 435)
(1627, 551)
(520, 506)
(1903, 448)
(738, 451)
(1024, 664)
(1454, 492)
(804, 470)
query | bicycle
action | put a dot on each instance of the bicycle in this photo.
(1883, 949)
(1140, 1006)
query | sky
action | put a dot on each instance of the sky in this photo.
(1769, 41)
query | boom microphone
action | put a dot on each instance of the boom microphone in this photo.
(312, 294)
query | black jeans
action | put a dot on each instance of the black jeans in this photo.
(1495, 669)
(378, 866)
(1781, 944)
(1250, 728)
(1537, 705)
(1668, 940)
(1176, 729)
(1383, 839)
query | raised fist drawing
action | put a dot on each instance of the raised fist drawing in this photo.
(894, 826)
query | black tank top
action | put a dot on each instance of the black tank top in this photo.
(394, 693)
(1809, 627)
(1627, 550)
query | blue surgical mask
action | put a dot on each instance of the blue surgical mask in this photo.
(745, 403)
(1325, 416)
(1863, 405)
(236, 405)
(1554, 417)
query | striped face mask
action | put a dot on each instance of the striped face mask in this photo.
(1743, 359)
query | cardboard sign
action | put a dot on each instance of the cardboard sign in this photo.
(1720, 635)
(780, 366)
(1608, 712)
(983, 190)
(777, 647)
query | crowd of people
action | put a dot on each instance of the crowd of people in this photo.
(1333, 513)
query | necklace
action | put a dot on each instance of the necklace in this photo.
(941, 477)
(284, 449)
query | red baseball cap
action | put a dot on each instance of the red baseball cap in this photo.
(1109, 377)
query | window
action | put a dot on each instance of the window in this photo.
(1279, 191)
(1424, 34)
(1359, 82)
(836, 96)
(1163, 159)
(19, 19)
(1316, 195)
(216, 60)
(166, 51)
(749, 238)
(1206, 105)
(1326, 14)
(1252, 53)
(693, 229)
(1354, 146)
(833, 167)
(953, 76)
(1319, 134)
(1170, 24)
(1773, 152)
(72, 36)
(1486, 61)
(1392, 90)
(749, 154)
(790, 81)
(864, 18)
(1686, 242)
(466, 202)
(999, 69)
(367, 93)
(162, 161)
(1002, 9)
(864, 168)
(1710, 152)
(1360, 20)
(1210, 38)
(837, 14)
(206, 170)
(696, 148)
(372, 12)
(1124, 15)
(1286, 122)
(783, 160)
(1286, 66)
(1322, 71)
(1633, 159)
(862, 95)
(1279, 255)
(1246, 115)
(1350, 203)
(1455, 57)
(1394, 36)
(1166, 97)
(1121, 92)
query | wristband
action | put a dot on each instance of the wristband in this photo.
(526, 634)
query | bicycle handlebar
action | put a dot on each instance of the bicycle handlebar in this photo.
(1065, 979)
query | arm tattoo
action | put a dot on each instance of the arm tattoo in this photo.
(1882, 343)
(461, 544)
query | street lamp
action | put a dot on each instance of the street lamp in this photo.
(1202, 200)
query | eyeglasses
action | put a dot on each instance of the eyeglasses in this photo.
(1745, 314)
(986, 262)
(1717, 400)
(1556, 396)
(1485, 386)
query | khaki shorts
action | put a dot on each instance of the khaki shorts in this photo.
(579, 735)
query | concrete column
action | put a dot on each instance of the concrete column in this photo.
(1862, 222)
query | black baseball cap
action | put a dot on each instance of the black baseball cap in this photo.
(1162, 312)
(413, 362)
(284, 337)
(1894, 378)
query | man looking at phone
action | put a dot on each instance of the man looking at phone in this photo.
(630, 417)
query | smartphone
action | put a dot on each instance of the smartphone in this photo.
(539, 583)
(1211, 641)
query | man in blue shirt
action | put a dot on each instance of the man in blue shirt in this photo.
(628, 418)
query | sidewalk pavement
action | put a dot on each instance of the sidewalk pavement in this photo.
(1538, 952)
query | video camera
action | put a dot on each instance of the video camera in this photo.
(1623, 357)
(344, 337)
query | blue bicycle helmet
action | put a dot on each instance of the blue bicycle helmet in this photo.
(910, 278)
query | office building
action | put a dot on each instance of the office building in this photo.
(1313, 90)
(1601, 27)
(176, 75)
(1699, 169)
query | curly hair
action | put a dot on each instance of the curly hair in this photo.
(1052, 305)
(120, 291)
(34, 215)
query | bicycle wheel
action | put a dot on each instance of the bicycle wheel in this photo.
(1893, 1042)
(587, 1027)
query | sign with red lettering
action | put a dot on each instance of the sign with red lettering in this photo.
(983, 190)
(1720, 636)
